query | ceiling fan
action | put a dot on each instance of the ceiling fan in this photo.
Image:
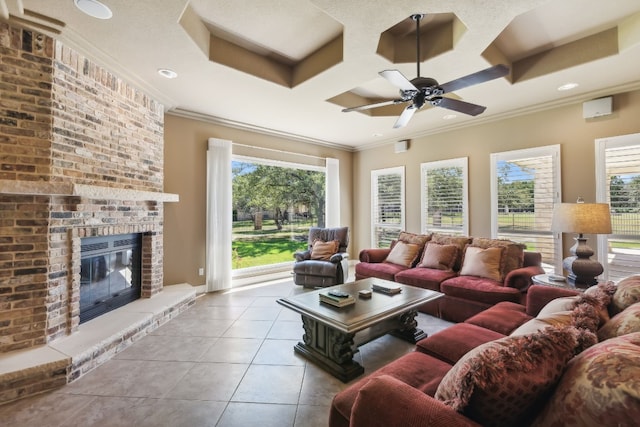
(421, 90)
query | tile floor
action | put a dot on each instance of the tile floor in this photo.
(227, 361)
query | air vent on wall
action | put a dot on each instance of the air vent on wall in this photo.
(597, 107)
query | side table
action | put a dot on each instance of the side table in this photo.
(545, 279)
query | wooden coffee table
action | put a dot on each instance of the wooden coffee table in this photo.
(332, 335)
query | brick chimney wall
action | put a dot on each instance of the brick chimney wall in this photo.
(64, 121)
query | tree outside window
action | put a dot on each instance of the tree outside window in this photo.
(445, 196)
(273, 208)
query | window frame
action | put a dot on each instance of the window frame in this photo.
(374, 197)
(251, 272)
(602, 193)
(527, 153)
(461, 162)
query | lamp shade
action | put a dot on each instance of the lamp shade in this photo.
(583, 218)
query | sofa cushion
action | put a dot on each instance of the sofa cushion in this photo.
(499, 383)
(426, 278)
(315, 268)
(600, 387)
(416, 239)
(503, 317)
(556, 320)
(416, 369)
(452, 343)
(627, 293)
(321, 250)
(539, 296)
(512, 255)
(559, 304)
(479, 289)
(625, 322)
(440, 257)
(381, 270)
(404, 254)
(460, 241)
(482, 263)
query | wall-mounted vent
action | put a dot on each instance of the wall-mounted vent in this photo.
(597, 107)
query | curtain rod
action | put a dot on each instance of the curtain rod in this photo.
(279, 151)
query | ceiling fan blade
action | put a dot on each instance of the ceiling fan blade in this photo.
(461, 106)
(398, 79)
(404, 118)
(369, 106)
(491, 73)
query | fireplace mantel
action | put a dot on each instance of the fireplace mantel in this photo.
(95, 192)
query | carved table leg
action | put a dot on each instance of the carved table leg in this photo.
(331, 349)
(409, 330)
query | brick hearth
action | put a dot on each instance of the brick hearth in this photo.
(81, 154)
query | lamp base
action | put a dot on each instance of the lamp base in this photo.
(582, 270)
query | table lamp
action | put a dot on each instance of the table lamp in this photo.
(582, 218)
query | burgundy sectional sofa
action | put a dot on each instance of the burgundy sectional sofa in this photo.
(442, 263)
(564, 358)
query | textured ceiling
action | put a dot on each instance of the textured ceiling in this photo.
(289, 66)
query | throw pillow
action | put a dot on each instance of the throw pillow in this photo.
(499, 383)
(440, 257)
(403, 254)
(625, 322)
(559, 304)
(416, 239)
(600, 387)
(324, 250)
(591, 308)
(482, 262)
(460, 241)
(558, 319)
(512, 257)
(627, 293)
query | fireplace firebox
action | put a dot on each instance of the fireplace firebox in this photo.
(110, 273)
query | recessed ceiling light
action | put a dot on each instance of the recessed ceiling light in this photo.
(568, 86)
(167, 73)
(449, 116)
(94, 8)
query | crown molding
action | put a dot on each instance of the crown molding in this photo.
(628, 87)
(188, 114)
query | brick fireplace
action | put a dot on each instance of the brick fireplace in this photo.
(81, 154)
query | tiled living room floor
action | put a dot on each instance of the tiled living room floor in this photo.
(227, 361)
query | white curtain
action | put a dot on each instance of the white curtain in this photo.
(332, 185)
(219, 215)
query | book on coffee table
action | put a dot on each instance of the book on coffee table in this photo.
(386, 289)
(327, 298)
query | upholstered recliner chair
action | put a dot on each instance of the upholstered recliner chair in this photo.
(325, 262)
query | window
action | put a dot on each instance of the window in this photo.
(444, 196)
(274, 204)
(387, 205)
(618, 183)
(525, 184)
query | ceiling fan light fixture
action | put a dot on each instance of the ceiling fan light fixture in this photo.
(94, 8)
(426, 90)
(567, 86)
(167, 73)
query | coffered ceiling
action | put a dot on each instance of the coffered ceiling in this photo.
(289, 67)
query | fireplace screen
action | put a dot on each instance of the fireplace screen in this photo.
(109, 273)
